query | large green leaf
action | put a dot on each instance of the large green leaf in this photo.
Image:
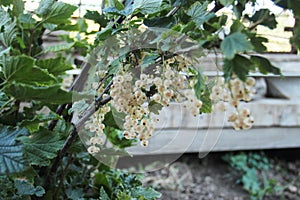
(7, 29)
(11, 153)
(235, 43)
(146, 6)
(264, 65)
(55, 66)
(41, 147)
(59, 13)
(25, 188)
(239, 65)
(199, 14)
(47, 94)
(22, 69)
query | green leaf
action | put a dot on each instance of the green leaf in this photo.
(239, 65)
(146, 6)
(59, 47)
(44, 7)
(226, 2)
(33, 124)
(22, 69)
(199, 14)
(264, 65)
(25, 188)
(149, 59)
(59, 12)
(202, 93)
(27, 20)
(145, 193)
(55, 66)
(155, 107)
(9, 31)
(264, 17)
(103, 194)
(164, 22)
(18, 7)
(235, 43)
(96, 17)
(41, 147)
(11, 153)
(47, 94)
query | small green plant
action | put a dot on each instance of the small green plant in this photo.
(252, 168)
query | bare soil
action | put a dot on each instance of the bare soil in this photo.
(211, 178)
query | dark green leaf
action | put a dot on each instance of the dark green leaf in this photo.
(25, 188)
(96, 17)
(235, 43)
(55, 66)
(264, 65)
(163, 22)
(239, 65)
(47, 94)
(226, 2)
(198, 13)
(11, 153)
(22, 69)
(146, 6)
(41, 147)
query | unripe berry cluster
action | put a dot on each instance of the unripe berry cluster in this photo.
(230, 94)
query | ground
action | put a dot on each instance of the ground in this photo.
(211, 178)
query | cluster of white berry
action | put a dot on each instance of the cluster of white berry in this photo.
(95, 125)
(231, 93)
(135, 96)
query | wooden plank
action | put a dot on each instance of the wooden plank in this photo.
(266, 113)
(193, 140)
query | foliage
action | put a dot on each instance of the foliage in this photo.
(252, 169)
(39, 152)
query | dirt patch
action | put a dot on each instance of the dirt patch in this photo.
(211, 178)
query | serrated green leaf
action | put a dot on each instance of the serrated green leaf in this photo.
(239, 65)
(42, 146)
(7, 29)
(22, 69)
(59, 12)
(55, 66)
(235, 43)
(198, 13)
(59, 47)
(264, 65)
(11, 153)
(47, 94)
(25, 188)
(146, 6)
